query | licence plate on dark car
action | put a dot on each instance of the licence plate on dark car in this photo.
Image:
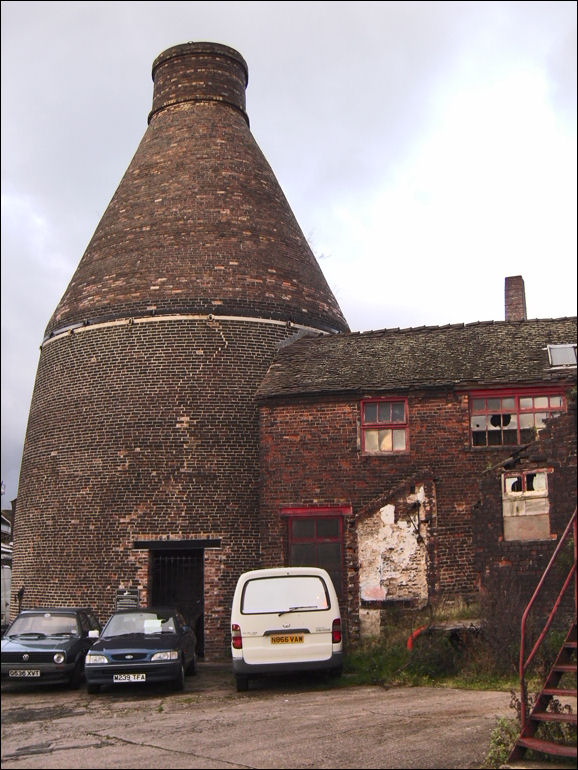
(23, 673)
(129, 677)
(287, 639)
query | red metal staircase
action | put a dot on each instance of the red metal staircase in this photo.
(564, 668)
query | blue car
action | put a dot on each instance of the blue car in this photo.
(48, 645)
(142, 646)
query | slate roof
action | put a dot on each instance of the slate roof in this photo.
(478, 354)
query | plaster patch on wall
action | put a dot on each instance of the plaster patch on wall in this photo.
(369, 623)
(392, 553)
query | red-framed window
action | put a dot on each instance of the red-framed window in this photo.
(315, 539)
(511, 417)
(384, 426)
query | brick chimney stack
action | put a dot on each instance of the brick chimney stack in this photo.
(515, 299)
(199, 72)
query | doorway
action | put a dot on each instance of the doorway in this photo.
(177, 579)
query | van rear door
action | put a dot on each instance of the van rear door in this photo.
(286, 619)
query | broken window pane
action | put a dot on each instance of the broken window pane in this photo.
(535, 482)
(479, 438)
(513, 484)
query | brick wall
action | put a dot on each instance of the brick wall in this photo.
(140, 432)
(310, 455)
(555, 449)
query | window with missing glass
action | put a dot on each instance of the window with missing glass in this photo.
(500, 419)
(316, 540)
(384, 426)
(525, 505)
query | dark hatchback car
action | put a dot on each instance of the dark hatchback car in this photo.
(48, 645)
(142, 645)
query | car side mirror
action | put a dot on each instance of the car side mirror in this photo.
(93, 634)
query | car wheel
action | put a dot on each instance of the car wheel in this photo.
(179, 682)
(242, 683)
(192, 667)
(76, 676)
(92, 689)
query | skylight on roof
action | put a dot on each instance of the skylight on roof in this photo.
(562, 355)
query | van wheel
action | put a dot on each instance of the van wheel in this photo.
(242, 683)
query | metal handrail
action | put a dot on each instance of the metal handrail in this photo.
(571, 527)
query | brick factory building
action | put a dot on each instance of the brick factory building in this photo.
(201, 408)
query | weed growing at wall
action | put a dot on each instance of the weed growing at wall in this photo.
(506, 731)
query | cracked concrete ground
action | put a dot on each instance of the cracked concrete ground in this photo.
(280, 723)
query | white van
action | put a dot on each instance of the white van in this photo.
(285, 619)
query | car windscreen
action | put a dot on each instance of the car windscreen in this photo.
(286, 593)
(45, 624)
(139, 623)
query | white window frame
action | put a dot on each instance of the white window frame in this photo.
(526, 512)
(567, 351)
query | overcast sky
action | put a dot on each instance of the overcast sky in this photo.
(428, 150)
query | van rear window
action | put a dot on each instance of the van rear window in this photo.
(298, 593)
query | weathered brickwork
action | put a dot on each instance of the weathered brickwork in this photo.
(138, 432)
(515, 299)
(311, 456)
(199, 223)
(554, 450)
(143, 423)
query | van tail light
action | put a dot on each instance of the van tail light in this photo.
(236, 638)
(336, 631)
